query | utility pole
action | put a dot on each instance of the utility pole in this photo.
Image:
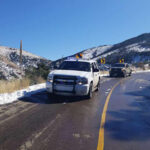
(21, 54)
(62, 59)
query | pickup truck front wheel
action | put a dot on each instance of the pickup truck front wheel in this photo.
(89, 96)
(98, 85)
(50, 95)
(124, 74)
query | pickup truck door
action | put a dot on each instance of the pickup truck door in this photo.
(95, 74)
(128, 69)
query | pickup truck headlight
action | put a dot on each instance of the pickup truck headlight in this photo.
(50, 78)
(123, 69)
(82, 81)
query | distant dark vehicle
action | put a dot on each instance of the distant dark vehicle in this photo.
(120, 69)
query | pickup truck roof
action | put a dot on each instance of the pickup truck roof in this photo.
(119, 65)
(81, 60)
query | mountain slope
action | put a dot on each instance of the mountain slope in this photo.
(139, 44)
(9, 62)
(133, 50)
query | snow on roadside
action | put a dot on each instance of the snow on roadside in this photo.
(134, 72)
(11, 97)
(141, 71)
(104, 75)
(14, 96)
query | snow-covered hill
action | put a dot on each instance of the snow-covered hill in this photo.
(133, 50)
(9, 62)
(95, 52)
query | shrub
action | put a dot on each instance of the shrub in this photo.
(37, 75)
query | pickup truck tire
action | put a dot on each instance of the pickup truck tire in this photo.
(89, 96)
(98, 86)
(111, 75)
(130, 73)
(124, 74)
(50, 95)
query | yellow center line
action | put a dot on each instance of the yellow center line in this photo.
(100, 145)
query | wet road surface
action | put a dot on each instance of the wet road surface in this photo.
(128, 116)
(65, 123)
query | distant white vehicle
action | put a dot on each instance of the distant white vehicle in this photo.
(74, 78)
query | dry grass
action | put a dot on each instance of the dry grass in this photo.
(104, 72)
(11, 86)
(40, 80)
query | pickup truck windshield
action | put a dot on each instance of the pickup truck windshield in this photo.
(118, 65)
(75, 65)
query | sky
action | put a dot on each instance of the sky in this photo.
(59, 28)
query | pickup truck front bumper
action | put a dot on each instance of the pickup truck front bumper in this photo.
(67, 90)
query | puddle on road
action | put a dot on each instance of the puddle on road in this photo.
(77, 135)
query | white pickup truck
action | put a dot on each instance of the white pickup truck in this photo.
(74, 78)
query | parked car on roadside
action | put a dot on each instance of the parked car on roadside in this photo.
(120, 69)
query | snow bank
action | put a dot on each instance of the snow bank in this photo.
(104, 75)
(11, 97)
(140, 71)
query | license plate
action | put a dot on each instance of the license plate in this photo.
(63, 88)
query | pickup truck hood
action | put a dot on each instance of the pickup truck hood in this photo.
(70, 72)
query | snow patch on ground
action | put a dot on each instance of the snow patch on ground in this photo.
(137, 48)
(104, 75)
(11, 97)
(141, 71)
(8, 73)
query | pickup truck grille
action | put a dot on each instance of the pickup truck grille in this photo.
(116, 70)
(64, 83)
(64, 80)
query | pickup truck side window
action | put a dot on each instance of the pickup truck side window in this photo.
(95, 68)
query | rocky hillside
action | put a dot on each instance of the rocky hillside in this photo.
(133, 50)
(9, 62)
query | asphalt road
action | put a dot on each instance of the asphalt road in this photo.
(65, 123)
